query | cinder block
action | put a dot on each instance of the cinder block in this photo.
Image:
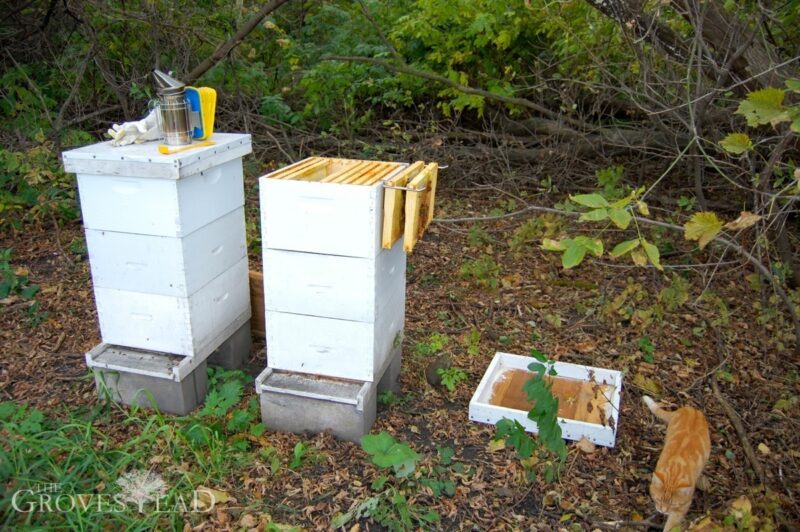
(235, 351)
(300, 403)
(143, 378)
(390, 382)
(294, 402)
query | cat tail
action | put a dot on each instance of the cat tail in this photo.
(656, 409)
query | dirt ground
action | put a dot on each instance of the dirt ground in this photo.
(564, 314)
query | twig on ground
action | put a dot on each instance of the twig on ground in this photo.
(740, 431)
(736, 421)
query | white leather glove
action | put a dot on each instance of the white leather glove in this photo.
(138, 131)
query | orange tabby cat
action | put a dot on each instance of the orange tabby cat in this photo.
(680, 466)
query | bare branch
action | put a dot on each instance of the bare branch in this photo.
(225, 48)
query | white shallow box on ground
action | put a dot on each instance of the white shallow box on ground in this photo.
(168, 266)
(328, 218)
(190, 326)
(481, 410)
(333, 347)
(346, 288)
(135, 189)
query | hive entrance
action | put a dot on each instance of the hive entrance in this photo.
(339, 171)
(578, 400)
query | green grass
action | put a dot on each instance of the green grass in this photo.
(87, 450)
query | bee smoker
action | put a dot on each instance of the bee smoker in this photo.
(173, 110)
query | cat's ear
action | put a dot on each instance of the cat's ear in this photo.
(685, 491)
(658, 478)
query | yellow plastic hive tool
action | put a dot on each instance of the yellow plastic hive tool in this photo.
(169, 150)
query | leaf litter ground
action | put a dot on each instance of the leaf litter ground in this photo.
(515, 301)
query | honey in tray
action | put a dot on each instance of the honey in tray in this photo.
(578, 400)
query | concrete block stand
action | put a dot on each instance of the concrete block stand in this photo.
(128, 383)
(235, 351)
(171, 383)
(299, 403)
(390, 382)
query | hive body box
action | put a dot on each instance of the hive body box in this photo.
(166, 242)
(334, 299)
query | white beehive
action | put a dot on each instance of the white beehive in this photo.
(166, 242)
(334, 298)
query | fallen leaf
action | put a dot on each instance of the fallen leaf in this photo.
(248, 521)
(209, 497)
(745, 220)
(551, 498)
(741, 506)
(512, 280)
(496, 445)
(647, 384)
(763, 449)
(587, 346)
(586, 446)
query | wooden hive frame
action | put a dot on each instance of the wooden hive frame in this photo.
(336, 171)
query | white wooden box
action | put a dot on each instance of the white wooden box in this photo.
(163, 207)
(347, 288)
(189, 326)
(332, 347)
(135, 189)
(482, 409)
(328, 218)
(144, 160)
(168, 266)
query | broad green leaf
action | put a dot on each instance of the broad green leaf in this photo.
(624, 247)
(764, 106)
(591, 244)
(793, 85)
(573, 255)
(386, 452)
(593, 201)
(548, 244)
(620, 217)
(624, 202)
(736, 143)
(794, 115)
(652, 254)
(29, 291)
(594, 216)
(703, 227)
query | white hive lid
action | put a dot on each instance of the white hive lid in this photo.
(144, 160)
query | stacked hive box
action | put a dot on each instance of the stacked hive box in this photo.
(166, 242)
(334, 298)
